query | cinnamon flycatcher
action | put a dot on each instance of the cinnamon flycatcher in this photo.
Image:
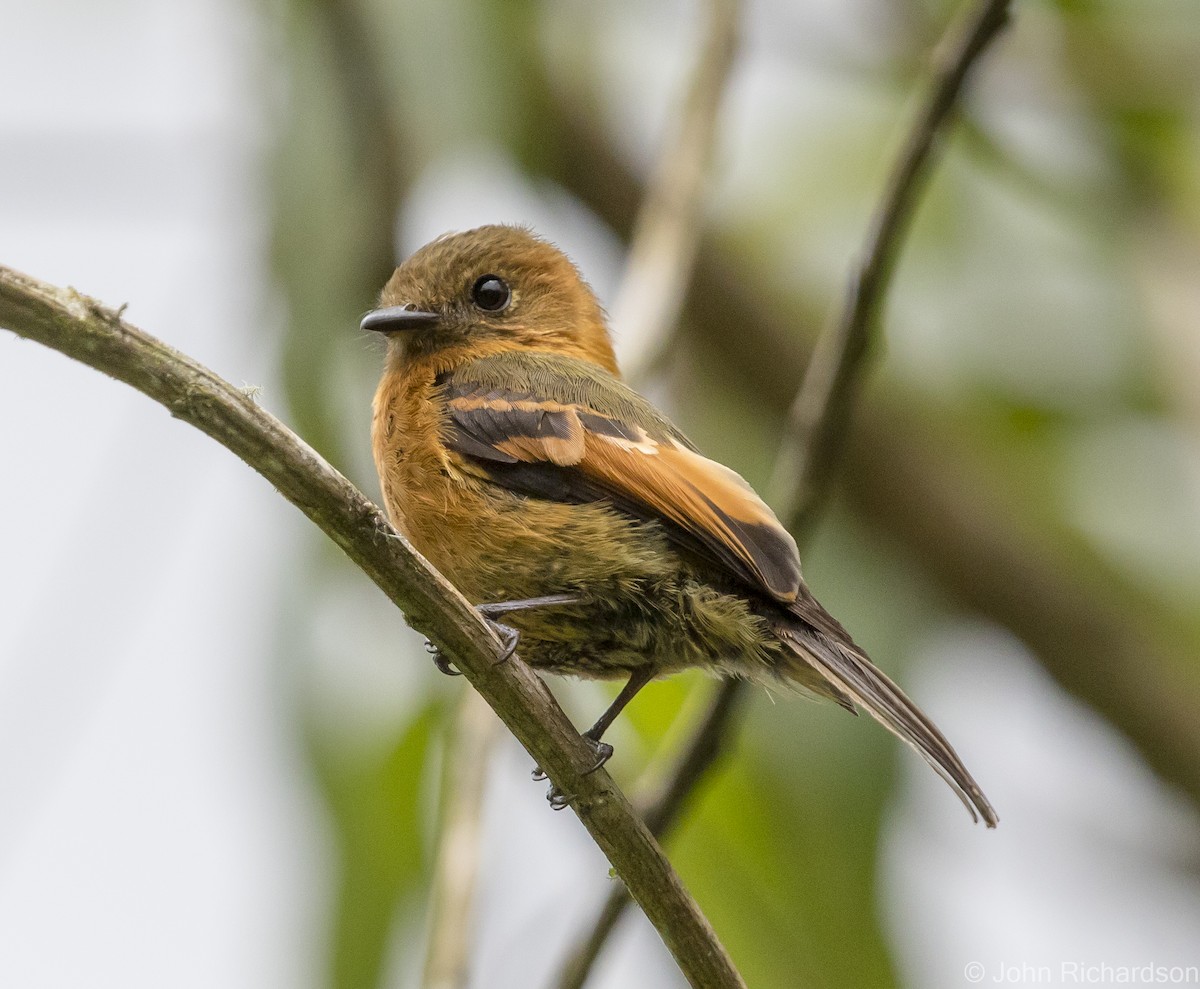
(513, 457)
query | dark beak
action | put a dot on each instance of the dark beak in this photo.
(396, 319)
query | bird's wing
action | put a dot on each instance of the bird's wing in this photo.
(536, 426)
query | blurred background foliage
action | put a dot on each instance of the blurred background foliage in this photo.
(1026, 457)
(1015, 531)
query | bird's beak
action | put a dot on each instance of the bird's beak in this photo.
(395, 319)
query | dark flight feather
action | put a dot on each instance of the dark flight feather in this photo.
(848, 669)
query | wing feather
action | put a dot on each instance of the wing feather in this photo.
(570, 450)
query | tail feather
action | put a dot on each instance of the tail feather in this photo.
(849, 673)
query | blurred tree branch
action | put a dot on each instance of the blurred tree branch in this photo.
(340, 168)
(1098, 636)
(464, 773)
(382, 173)
(822, 408)
(83, 329)
(379, 168)
(666, 234)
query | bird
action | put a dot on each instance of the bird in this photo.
(514, 458)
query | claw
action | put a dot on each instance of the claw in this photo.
(440, 661)
(557, 799)
(554, 796)
(508, 635)
(443, 665)
(603, 752)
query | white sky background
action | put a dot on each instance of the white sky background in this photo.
(155, 827)
(156, 824)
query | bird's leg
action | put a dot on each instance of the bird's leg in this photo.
(503, 607)
(637, 680)
(507, 634)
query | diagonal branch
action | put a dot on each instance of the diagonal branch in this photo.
(83, 329)
(817, 421)
(821, 411)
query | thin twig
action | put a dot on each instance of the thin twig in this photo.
(820, 413)
(666, 233)
(83, 329)
(817, 423)
(472, 737)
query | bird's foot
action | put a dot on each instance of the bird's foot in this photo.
(508, 636)
(603, 750)
(554, 796)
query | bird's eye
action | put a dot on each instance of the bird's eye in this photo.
(491, 293)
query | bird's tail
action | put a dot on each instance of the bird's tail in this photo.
(844, 672)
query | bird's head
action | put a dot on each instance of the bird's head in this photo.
(489, 290)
